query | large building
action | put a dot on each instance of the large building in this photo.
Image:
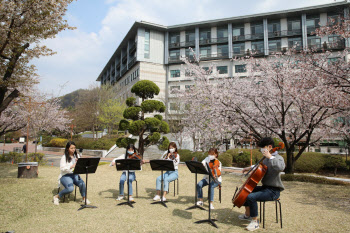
(153, 52)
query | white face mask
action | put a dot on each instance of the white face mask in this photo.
(212, 157)
(172, 150)
(130, 152)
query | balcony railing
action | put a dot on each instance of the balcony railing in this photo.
(275, 50)
(132, 62)
(339, 44)
(125, 57)
(238, 38)
(188, 44)
(123, 71)
(257, 53)
(118, 66)
(205, 41)
(311, 29)
(295, 32)
(174, 59)
(132, 47)
(174, 45)
(211, 56)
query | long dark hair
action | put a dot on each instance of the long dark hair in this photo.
(172, 144)
(129, 147)
(66, 153)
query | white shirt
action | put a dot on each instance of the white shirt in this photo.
(65, 166)
(206, 177)
(176, 160)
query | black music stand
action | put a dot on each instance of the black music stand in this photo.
(86, 166)
(162, 165)
(196, 167)
(128, 164)
(209, 220)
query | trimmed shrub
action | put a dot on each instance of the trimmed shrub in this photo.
(164, 144)
(225, 159)
(241, 157)
(58, 142)
(37, 157)
(309, 162)
(185, 155)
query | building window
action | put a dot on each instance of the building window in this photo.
(222, 69)
(274, 26)
(189, 53)
(333, 18)
(147, 43)
(222, 32)
(274, 45)
(312, 22)
(238, 31)
(174, 55)
(258, 47)
(190, 36)
(240, 68)
(174, 38)
(188, 87)
(295, 42)
(204, 34)
(174, 89)
(205, 51)
(174, 73)
(294, 24)
(257, 29)
(223, 50)
(314, 42)
(174, 106)
(238, 48)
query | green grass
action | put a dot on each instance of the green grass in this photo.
(26, 205)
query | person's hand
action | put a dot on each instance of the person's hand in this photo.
(73, 166)
(267, 154)
(245, 169)
(142, 162)
(113, 163)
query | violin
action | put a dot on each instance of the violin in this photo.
(134, 156)
(258, 172)
(214, 167)
(172, 156)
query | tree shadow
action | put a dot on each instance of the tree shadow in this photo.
(114, 193)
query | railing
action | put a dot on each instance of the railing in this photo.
(188, 44)
(174, 59)
(257, 53)
(123, 71)
(124, 58)
(311, 29)
(174, 45)
(211, 56)
(132, 62)
(205, 41)
(238, 38)
(118, 65)
(339, 44)
(132, 47)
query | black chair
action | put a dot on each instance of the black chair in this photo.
(263, 210)
(174, 186)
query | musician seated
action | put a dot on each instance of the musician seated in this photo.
(271, 183)
(215, 166)
(168, 176)
(66, 177)
(131, 153)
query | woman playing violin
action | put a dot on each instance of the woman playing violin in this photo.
(170, 154)
(271, 183)
(131, 153)
(215, 166)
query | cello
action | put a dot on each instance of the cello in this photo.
(258, 172)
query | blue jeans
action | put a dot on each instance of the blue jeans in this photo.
(68, 180)
(260, 193)
(123, 178)
(204, 183)
(167, 178)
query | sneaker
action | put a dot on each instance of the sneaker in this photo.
(56, 201)
(163, 199)
(253, 225)
(131, 199)
(243, 217)
(156, 198)
(120, 198)
(200, 203)
(87, 201)
(211, 206)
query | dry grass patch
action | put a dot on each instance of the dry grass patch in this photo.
(26, 205)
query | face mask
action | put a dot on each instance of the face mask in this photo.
(172, 150)
(263, 150)
(212, 157)
(130, 152)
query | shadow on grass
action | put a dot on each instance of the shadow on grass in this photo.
(229, 216)
(8, 170)
(182, 214)
(113, 192)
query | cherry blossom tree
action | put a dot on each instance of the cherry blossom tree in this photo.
(280, 96)
(24, 24)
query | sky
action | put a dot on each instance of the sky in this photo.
(102, 24)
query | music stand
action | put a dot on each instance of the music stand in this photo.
(86, 166)
(128, 164)
(162, 165)
(196, 167)
(210, 220)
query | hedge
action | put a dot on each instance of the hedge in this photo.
(104, 143)
(186, 155)
(312, 179)
(20, 157)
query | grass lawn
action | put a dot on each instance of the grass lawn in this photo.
(26, 206)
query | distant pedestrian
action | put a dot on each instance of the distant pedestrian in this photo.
(24, 149)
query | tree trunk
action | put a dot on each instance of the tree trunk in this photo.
(290, 161)
(335, 171)
(141, 145)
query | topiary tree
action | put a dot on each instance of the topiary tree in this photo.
(147, 128)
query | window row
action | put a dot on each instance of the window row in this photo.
(220, 69)
(130, 78)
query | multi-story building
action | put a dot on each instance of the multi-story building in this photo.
(153, 52)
